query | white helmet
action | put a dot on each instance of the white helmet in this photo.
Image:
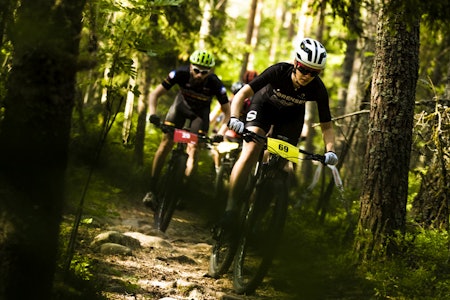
(311, 53)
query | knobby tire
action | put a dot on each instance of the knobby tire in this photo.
(261, 234)
(222, 256)
(221, 187)
(170, 190)
(224, 249)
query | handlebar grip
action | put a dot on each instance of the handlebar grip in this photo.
(250, 136)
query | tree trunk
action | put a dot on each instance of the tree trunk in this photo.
(129, 107)
(249, 35)
(219, 20)
(144, 82)
(36, 126)
(385, 182)
(276, 35)
(255, 35)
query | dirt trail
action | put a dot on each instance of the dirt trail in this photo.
(173, 269)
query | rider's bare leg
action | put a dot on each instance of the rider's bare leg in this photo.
(242, 168)
(160, 156)
(192, 150)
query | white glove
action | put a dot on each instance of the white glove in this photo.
(331, 158)
(236, 125)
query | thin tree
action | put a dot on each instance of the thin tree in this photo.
(249, 35)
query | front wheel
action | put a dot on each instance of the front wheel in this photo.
(170, 190)
(222, 255)
(224, 249)
(262, 231)
(221, 184)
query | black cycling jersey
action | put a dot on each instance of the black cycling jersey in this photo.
(280, 90)
(196, 95)
(193, 101)
(276, 102)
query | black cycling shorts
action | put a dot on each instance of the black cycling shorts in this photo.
(180, 111)
(287, 121)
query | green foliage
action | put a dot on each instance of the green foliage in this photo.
(421, 271)
(77, 283)
(81, 266)
(115, 163)
(434, 60)
(5, 57)
(349, 13)
(414, 180)
(115, 33)
(315, 259)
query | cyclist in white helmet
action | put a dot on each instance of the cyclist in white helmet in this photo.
(217, 114)
(198, 85)
(279, 96)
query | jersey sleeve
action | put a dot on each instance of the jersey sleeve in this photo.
(269, 75)
(222, 95)
(220, 90)
(323, 103)
(170, 80)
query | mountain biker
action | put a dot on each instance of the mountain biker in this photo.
(198, 85)
(279, 97)
(216, 114)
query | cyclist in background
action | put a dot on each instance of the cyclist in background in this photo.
(279, 97)
(198, 85)
(217, 115)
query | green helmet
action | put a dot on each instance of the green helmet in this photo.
(202, 58)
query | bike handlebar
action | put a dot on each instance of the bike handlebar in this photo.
(167, 128)
(248, 136)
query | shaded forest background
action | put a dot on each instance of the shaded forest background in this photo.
(74, 84)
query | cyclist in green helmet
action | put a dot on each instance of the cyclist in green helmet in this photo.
(198, 85)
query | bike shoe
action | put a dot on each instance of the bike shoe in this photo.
(150, 201)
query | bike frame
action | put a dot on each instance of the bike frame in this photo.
(171, 185)
(267, 191)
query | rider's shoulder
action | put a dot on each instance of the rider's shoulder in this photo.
(277, 70)
(282, 66)
(183, 69)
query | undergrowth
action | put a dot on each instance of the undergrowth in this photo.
(316, 260)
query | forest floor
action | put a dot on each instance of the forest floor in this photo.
(175, 268)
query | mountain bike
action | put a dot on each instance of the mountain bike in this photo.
(229, 152)
(262, 216)
(172, 183)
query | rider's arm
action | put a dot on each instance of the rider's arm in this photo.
(238, 100)
(226, 111)
(153, 98)
(215, 113)
(328, 135)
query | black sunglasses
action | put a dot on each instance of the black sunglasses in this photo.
(198, 71)
(306, 71)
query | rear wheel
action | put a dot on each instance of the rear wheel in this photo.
(170, 191)
(261, 234)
